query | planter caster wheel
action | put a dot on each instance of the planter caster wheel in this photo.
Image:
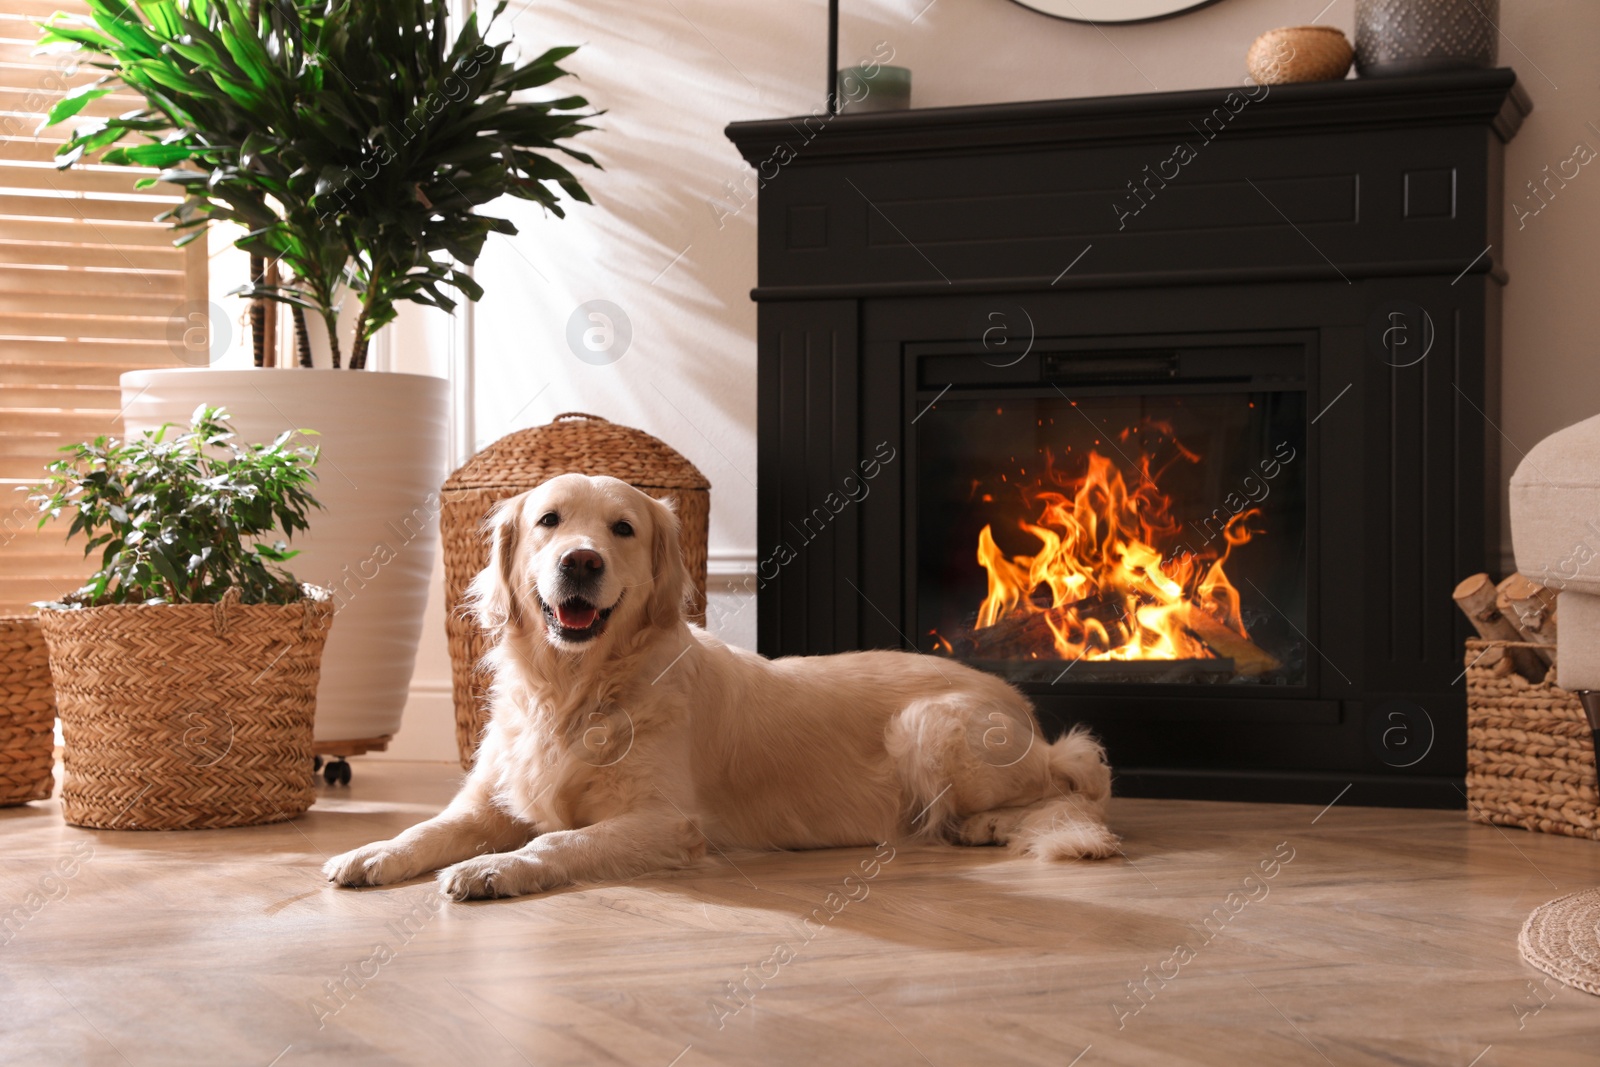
(337, 772)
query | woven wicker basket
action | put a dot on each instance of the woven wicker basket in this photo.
(27, 712)
(187, 716)
(1299, 54)
(572, 443)
(1530, 753)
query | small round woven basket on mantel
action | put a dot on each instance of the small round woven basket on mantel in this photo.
(573, 443)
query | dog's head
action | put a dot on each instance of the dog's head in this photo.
(577, 559)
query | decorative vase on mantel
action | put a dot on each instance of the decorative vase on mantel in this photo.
(1399, 37)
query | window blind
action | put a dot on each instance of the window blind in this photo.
(90, 287)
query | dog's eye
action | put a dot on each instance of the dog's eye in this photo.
(623, 529)
(549, 518)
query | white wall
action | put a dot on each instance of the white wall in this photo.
(672, 247)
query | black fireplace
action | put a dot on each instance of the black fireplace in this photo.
(1129, 514)
(1201, 475)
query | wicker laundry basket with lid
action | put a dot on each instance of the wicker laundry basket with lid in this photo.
(573, 443)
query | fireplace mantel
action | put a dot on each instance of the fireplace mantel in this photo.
(1295, 215)
(1054, 171)
(1476, 98)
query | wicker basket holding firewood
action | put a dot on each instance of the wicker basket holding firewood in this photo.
(1530, 748)
(1530, 743)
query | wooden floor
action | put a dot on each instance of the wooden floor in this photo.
(1388, 938)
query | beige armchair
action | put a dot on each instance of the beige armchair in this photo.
(1555, 532)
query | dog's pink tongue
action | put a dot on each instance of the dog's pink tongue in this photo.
(576, 615)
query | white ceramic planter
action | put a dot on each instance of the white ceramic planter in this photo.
(384, 444)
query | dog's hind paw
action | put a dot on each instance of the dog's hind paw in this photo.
(984, 828)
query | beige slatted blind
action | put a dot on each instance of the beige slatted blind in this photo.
(89, 287)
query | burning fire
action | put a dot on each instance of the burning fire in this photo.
(1108, 581)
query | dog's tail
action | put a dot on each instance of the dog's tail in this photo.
(1078, 765)
(1070, 822)
(986, 780)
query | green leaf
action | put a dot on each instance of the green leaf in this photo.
(166, 568)
(149, 155)
(63, 32)
(122, 21)
(248, 53)
(73, 103)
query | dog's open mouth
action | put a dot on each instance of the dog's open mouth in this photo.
(575, 619)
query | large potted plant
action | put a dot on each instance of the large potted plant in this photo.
(355, 142)
(185, 669)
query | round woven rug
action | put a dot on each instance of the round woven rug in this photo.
(1562, 938)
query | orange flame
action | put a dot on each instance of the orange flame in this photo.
(1100, 578)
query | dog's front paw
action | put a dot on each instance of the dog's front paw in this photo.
(379, 863)
(484, 877)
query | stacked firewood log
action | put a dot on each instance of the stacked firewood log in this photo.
(1021, 636)
(1518, 610)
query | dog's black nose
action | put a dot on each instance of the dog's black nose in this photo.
(582, 563)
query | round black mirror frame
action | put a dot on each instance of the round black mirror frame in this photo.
(1190, 6)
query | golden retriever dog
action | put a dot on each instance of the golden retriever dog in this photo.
(624, 740)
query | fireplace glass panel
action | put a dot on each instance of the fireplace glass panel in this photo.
(1146, 538)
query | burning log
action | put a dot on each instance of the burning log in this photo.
(1249, 659)
(1020, 636)
(1016, 636)
(1478, 600)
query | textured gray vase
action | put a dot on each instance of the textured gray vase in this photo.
(1395, 37)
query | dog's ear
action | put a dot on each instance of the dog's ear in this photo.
(493, 593)
(669, 576)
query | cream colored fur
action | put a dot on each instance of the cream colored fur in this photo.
(634, 750)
